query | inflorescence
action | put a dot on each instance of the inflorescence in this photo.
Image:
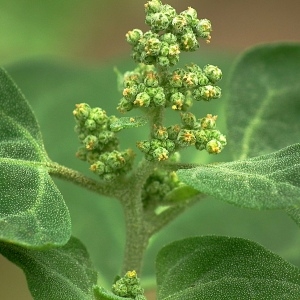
(154, 86)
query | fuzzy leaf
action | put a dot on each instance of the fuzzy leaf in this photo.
(128, 122)
(32, 210)
(263, 102)
(264, 182)
(102, 294)
(60, 273)
(212, 267)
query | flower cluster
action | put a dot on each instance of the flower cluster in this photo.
(144, 87)
(157, 186)
(129, 287)
(169, 34)
(100, 146)
(192, 132)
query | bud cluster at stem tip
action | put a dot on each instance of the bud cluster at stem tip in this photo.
(169, 34)
(129, 286)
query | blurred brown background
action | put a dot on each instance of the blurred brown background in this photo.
(93, 31)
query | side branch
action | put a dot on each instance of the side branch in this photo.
(78, 178)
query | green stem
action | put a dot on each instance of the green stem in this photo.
(137, 231)
(78, 178)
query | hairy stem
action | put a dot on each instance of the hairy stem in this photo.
(78, 178)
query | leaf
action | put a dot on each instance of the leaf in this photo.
(263, 100)
(32, 210)
(60, 273)
(212, 267)
(180, 194)
(128, 122)
(264, 182)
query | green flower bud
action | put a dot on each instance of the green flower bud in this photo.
(159, 99)
(155, 143)
(144, 146)
(173, 59)
(160, 132)
(188, 119)
(203, 28)
(152, 47)
(81, 111)
(142, 99)
(201, 136)
(169, 145)
(151, 79)
(214, 147)
(169, 11)
(213, 73)
(159, 21)
(188, 41)
(174, 50)
(179, 24)
(160, 154)
(164, 49)
(186, 138)
(90, 124)
(208, 122)
(98, 168)
(153, 6)
(163, 61)
(177, 100)
(207, 93)
(190, 80)
(175, 80)
(115, 160)
(98, 115)
(202, 80)
(130, 92)
(134, 36)
(124, 106)
(106, 136)
(190, 14)
(168, 38)
(173, 131)
(91, 142)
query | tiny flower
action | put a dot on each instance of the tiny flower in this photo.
(186, 138)
(214, 147)
(134, 36)
(208, 122)
(213, 73)
(142, 99)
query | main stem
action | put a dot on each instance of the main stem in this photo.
(137, 230)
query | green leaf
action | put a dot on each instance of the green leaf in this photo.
(180, 195)
(264, 182)
(60, 273)
(263, 100)
(212, 267)
(32, 210)
(128, 122)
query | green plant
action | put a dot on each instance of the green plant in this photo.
(153, 186)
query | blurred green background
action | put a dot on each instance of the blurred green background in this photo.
(63, 52)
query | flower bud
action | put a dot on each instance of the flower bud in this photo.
(91, 142)
(82, 111)
(142, 99)
(186, 138)
(208, 122)
(159, 21)
(160, 132)
(213, 73)
(214, 147)
(188, 119)
(160, 154)
(134, 36)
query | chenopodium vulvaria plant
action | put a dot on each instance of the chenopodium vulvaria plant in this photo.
(152, 87)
